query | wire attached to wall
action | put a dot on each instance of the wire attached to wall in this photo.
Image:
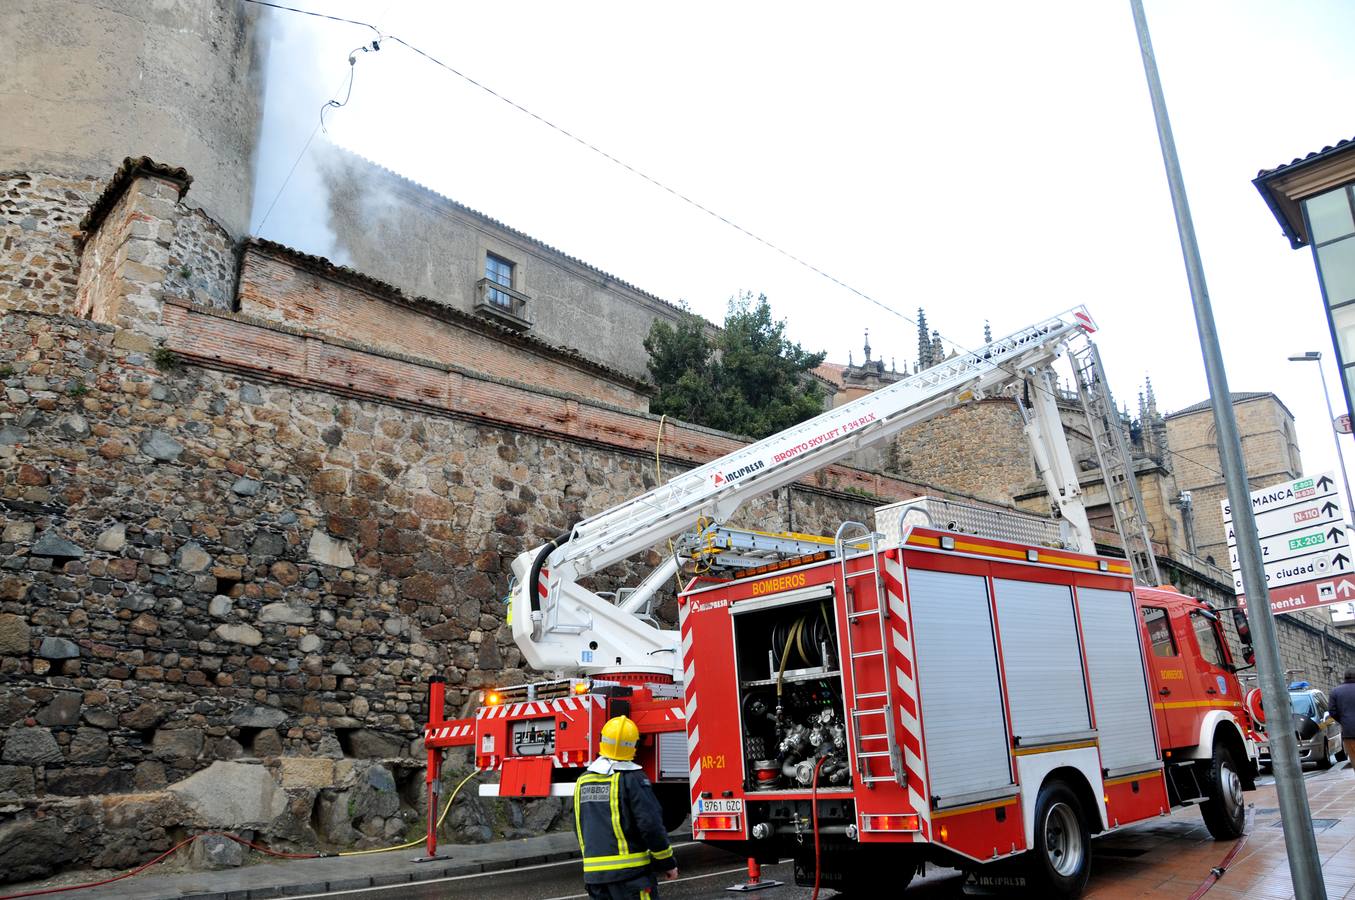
(335, 104)
(352, 72)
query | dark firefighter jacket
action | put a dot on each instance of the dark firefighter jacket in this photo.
(619, 824)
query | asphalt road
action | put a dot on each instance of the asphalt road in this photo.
(704, 872)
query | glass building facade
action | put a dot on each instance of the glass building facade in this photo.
(1330, 222)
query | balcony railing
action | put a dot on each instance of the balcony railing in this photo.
(503, 304)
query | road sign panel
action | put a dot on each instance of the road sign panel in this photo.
(1290, 493)
(1323, 564)
(1342, 423)
(1311, 594)
(1343, 612)
(1297, 543)
(1302, 535)
(1293, 520)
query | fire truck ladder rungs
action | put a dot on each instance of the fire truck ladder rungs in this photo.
(880, 611)
(1117, 466)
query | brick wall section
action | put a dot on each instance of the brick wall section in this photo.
(39, 217)
(277, 289)
(247, 344)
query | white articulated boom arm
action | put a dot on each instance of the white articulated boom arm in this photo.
(560, 625)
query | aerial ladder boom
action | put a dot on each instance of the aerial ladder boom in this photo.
(560, 625)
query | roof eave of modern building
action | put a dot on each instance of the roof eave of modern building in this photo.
(1284, 187)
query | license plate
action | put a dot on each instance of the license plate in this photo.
(719, 806)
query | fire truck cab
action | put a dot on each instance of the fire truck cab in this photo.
(952, 698)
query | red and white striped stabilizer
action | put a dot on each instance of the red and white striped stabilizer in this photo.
(449, 731)
(570, 706)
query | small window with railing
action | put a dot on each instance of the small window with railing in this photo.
(499, 295)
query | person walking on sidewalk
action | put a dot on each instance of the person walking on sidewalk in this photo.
(620, 823)
(1343, 711)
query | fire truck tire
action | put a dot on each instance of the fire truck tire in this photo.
(675, 803)
(1060, 861)
(1224, 812)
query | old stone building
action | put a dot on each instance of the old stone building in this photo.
(425, 244)
(1269, 449)
(250, 500)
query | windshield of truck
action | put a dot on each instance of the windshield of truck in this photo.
(1303, 705)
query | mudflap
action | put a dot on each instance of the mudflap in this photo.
(525, 777)
(841, 863)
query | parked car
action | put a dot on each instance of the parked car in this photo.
(1319, 735)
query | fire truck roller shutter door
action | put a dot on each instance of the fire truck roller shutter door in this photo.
(1124, 713)
(963, 722)
(1043, 661)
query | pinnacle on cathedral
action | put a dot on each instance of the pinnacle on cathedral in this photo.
(924, 344)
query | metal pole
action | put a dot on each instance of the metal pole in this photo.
(1300, 845)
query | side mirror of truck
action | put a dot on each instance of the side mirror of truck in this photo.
(1243, 628)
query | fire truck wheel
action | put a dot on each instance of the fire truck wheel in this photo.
(1224, 812)
(675, 803)
(1061, 857)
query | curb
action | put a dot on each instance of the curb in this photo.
(388, 879)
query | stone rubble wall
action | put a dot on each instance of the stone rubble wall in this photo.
(39, 260)
(212, 579)
(198, 568)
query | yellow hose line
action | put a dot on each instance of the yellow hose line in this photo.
(658, 477)
(414, 843)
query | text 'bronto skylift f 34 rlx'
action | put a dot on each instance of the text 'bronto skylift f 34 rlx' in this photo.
(952, 684)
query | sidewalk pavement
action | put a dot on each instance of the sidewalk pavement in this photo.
(1162, 859)
(286, 878)
(1170, 858)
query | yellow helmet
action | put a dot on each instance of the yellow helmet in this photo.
(619, 737)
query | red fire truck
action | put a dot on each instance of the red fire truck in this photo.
(974, 684)
(954, 699)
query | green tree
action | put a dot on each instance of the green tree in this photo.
(679, 364)
(751, 380)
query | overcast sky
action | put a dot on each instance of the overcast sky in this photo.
(985, 160)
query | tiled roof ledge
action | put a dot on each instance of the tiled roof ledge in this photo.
(132, 168)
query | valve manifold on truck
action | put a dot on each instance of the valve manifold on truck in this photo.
(953, 684)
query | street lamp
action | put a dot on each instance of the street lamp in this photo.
(1314, 356)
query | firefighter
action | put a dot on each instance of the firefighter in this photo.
(619, 821)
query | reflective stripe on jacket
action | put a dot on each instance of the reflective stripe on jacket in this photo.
(620, 825)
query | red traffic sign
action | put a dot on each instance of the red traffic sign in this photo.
(1342, 423)
(1308, 595)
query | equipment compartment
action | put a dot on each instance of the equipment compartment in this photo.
(790, 695)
